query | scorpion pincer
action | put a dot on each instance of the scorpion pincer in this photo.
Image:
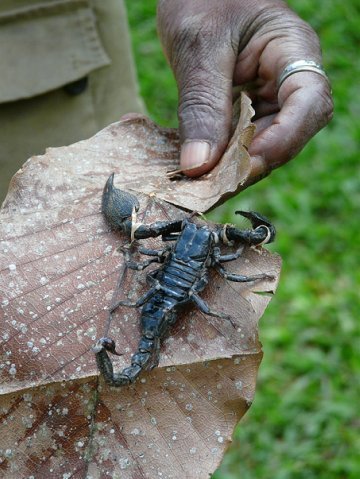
(183, 274)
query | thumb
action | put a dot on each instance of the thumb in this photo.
(205, 109)
(203, 62)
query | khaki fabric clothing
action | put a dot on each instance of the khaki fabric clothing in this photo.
(66, 72)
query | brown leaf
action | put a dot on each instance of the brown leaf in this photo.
(141, 153)
(60, 271)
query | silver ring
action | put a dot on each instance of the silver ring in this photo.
(301, 66)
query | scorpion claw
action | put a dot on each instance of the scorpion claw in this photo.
(261, 225)
(256, 219)
(118, 206)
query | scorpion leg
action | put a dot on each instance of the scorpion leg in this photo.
(201, 304)
(150, 278)
(144, 298)
(263, 232)
(170, 237)
(160, 256)
(153, 252)
(222, 258)
(140, 302)
(139, 266)
(205, 308)
(239, 278)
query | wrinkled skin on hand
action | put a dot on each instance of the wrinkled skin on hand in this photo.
(213, 46)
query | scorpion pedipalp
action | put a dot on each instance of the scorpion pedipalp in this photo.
(119, 208)
(263, 231)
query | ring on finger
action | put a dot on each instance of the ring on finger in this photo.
(301, 66)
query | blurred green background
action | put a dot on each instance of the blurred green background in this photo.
(304, 422)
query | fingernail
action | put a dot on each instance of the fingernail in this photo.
(194, 154)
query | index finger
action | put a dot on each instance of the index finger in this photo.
(306, 106)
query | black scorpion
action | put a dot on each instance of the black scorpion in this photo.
(180, 279)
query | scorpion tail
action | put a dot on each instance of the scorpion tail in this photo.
(145, 358)
(118, 206)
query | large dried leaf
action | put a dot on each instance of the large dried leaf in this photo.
(60, 270)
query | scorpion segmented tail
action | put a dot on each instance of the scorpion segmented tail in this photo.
(146, 356)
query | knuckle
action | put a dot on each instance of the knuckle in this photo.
(197, 34)
(191, 48)
(189, 33)
(323, 108)
(203, 112)
(197, 97)
(328, 107)
(280, 23)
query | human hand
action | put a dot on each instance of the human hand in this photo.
(213, 46)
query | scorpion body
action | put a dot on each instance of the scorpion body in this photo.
(183, 274)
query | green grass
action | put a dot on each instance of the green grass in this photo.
(304, 422)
